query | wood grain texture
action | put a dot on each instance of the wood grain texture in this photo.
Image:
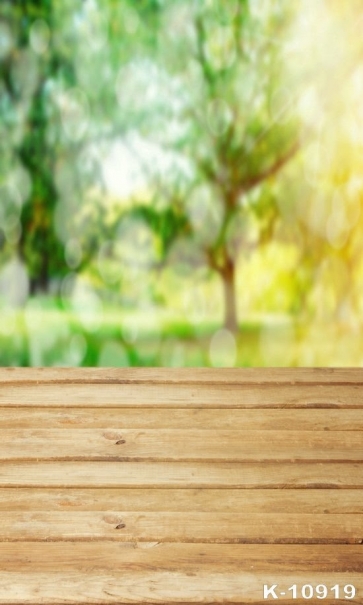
(307, 419)
(236, 475)
(148, 556)
(224, 528)
(209, 376)
(307, 501)
(179, 486)
(155, 587)
(182, 396)
(180, 445)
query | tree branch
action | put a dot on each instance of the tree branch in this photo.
(255, 180)
(201, 38)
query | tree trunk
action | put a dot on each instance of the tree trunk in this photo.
(39, 285)
(228, 275)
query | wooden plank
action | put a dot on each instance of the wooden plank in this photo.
(224, 528)
(189, 396)
(308, 501)
(163, 418)
(208, 376)
(216, 470)
(159, 587)
(179, 445)
(235, 475)
(172, 557)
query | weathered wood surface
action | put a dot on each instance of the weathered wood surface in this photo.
(179, 445)
(224, 528)
(159, 586)
(183, 557)
(179, 486)
(311, 501)
(187, 475)
(183, 395)
(209, 376)
(307, 419)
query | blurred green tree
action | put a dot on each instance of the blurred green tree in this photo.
(30, 63)
(211, 99)
(198, 84)
(58, 65)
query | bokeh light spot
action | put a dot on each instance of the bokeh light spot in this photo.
(113, 354)
(39, 36)
(219, 116)
(75, 112)
(87, 305)
(73, 253)
(6, 39)
(223, 349)
(14, 283)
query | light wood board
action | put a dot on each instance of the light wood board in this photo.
(179, 486)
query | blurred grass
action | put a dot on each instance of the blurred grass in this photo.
(48, 333)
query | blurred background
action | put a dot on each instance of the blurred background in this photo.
(181, 183)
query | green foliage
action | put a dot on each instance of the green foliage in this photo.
(230, 139)
(149, 147)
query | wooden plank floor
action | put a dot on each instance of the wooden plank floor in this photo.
(181, 486)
